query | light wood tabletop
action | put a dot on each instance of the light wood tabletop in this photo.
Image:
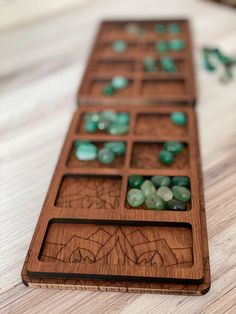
(41, 63)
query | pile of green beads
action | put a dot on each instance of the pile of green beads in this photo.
(172, 28)
(178, 118)
(119, 46)
(109, 121)
(166, 63)
(159, 192)
(169, 151)
(117, 83)
(164, 46)
(85, 151)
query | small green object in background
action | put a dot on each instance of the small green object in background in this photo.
(176, 44)
(135, 197)
(166, 157)
(162, 46)
(161, 181)
(150, 64)
(118, 129)
(178, 118)
(119, 46)
(181, 181)
(159, 28)
(148, 187)
(135, 181)
(117, 148)
(108, 90)
(119, 82)
(174, 147)
(176, 205)
(86, 151)
(165, 193)
(123, 118)
(181, 193)
(168, 64)
(153, 201)
(174, 28)
(106, 156)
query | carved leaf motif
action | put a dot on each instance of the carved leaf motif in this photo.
(82, 255)
(152, 257)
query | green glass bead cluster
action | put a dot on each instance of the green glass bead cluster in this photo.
(134, 29)
(166, 63)
(117, 83)
(169, 151)
(111, 122)
(172, 28)
(159, 192)
(164, 46)
(85, 151)
(214, 59)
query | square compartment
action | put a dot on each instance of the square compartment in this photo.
(155, 87)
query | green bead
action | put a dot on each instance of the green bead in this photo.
(161, 46)
(161, 181)
(166, 157)
(181, 181)
(148, 187)
(159, 28)
(165, 193)
(79, 143)
(123, 118)
(181, 193)
(174, 147)
(118, 129)
(168, 64)
(154, 201)
(176, 205)
(176, 44)
(108, 90)
(178, 118)
(90, 126)
(174, 28)
(103, 124)
(133, 28)
(119, 46)
(117, 148)
(150, 64)
(93, 116)
(86, 151)
(135, 181)
(106, 156)
(119, 82)
(109, 115)
(135, 197)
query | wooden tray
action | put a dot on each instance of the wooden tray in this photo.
(144, 87)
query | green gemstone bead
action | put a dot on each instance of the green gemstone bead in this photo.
(174, 147)
(150, 64)
(148, 187)
(174, 28)
(132, 28)
(135, 181)
(176, 205)
(135, 197)
(86, 151)
(181, 181)
(90, 126)
(159, 28)
(118, 129)
(119, 46)
(119, 82)
(161, 46)
(181, 193)
(94, 116)
(154, 201)
(165, 193)
(109, 115)
(117, 148)
(103, 124)
(106, 156)
(161, 181)
(78, 143)
(176, 44)
(123, 118)
(178, 118)
(166, 157)
(108, 90)
(168, 64)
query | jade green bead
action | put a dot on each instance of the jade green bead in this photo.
(119, 46)
(168, 64)
(117, 148)
(90, 126)
(109, 115)
(165, 193)
(106, 156)
(118, 129)
(86, 151)
(150, 64)
(93, 116)
(181, 193)
(159, 28)
(176, 44)
(135, 197)
(123, 118)
(174, 28)
(78, 143)
(174, 147)
(155, 202)
(181, 181)
(161, 181)
(148, 187)
(108, 90)
(178, 118)
(176, 205)
(103, 124)
(119, 82)
(161, 46)
(135, 181)
(166, 157)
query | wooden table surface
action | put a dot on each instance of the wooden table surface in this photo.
(41, 63)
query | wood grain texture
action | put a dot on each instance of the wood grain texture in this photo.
(36, 106)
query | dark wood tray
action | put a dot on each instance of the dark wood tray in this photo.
(144, 87)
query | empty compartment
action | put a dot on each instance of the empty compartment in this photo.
(114, 66)
(154, 87)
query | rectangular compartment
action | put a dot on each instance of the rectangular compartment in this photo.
(154, 87)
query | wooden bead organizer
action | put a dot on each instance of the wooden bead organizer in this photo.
(87, 236)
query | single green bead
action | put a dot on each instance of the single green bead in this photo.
(118, 129)
(103, 124)
(79, 143)
(159, 28)
(123, 118)
(176, 205)
(155, 202)
(119, 46)
(181, 181)
(178, 118)
(168, 64)
(119, 82)
(161, 46)
(181, 193)
(108, 90)
(109, 115)
(106, 156)
(166, 157)
(148, 187)
(161, 181)
(86, 151)
(150, 64)
(165, 193)
(174, 147)
(176, 44)
(135, 181)
(135, 197)
(118, 148)
(174, 28)
(94, 116)
(90, 126)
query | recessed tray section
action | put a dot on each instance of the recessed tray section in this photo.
(96, 87)
(105, 49)
(89, 192)
(162, 87)
(113, 66)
